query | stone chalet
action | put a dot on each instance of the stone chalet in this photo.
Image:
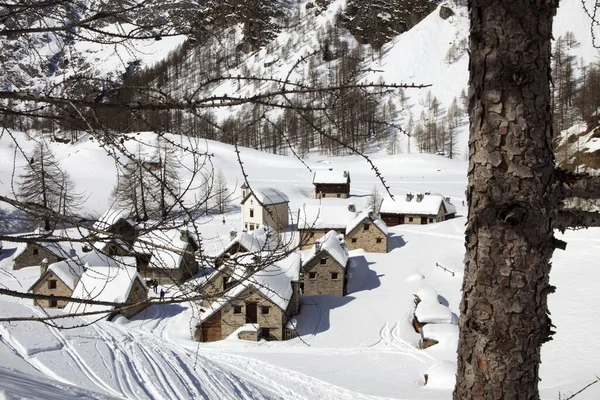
(324, 267)
(262, 239)
(33, 253)
(416, 209)
(89, 277)
(110, 279)
(166, 255)
(361, 229)
(264, 207)
(330, 183)
(252, 305)
(116, 225)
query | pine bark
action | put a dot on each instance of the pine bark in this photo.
(513, 198)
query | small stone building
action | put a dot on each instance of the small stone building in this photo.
(331, 183)
(166, 255)
(324, 268)
(361, 229)
(367, 231)
(261, 239)
(264, 207)
(59, 279)
(32, 254)
(110, 279)
(418, 209)
(257, 306)
(116, 224)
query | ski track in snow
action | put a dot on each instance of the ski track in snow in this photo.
(391, 337)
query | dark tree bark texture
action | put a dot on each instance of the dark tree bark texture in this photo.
(513, 200)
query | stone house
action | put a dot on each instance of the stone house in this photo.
(259, 305)
(361, 229)
(110, 279)
(32, 254)
(259, 240)
(166, 255)
(58, 279)
(418, 209)
(324, 268)
(367, 231)
(330, 183)
(315, 220)
(264, 207)
(115, 224)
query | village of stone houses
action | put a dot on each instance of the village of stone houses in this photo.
(298, 260)
(313, 282)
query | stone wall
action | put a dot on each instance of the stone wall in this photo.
(323, 283)
(309, 237)
(277, 216)
(275, 319)
(43, 288)
(33, 255)
(372, 240)
(138, 294)
(251, 335)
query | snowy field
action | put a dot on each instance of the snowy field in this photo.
(358, 346)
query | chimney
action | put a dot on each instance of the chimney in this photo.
(345, 174)
(232, 234)
(419, 197)
(44, 265)
(317, 246)
(184, 236)
(448, 200)
(351, 207)
(408, 196)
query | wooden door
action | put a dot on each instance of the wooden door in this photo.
(251, 314)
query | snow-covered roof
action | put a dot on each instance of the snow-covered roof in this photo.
(429, 205)
(64, 248)
(258, 240)
(360, 217)
(325, 216)
(105, 279)
(165, 245)
(324, 176)
(268, 195)
(274, 282)
(111, 217)
(333, 245)
(429, 310)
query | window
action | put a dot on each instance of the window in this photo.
(323, 261)
(379, 240)
(246, 226)
(353, 240)
(35, 252)
(338, 195)
(237, 309)
(312, 275)
(334, 276)
(52, 284)
(312, 234)
(366, 227)
(251, 213)
(430, 219)
(52, 303)
(265, 310)
(251, 227)
(410, 219)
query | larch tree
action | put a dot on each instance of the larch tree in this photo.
(46, 185)
(516, 199)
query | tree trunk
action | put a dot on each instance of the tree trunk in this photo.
(512, 200)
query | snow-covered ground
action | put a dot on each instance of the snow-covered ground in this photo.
(358, 346)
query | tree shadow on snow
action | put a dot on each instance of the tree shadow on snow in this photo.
(315, 312)
(158, 311)
(361, 277)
